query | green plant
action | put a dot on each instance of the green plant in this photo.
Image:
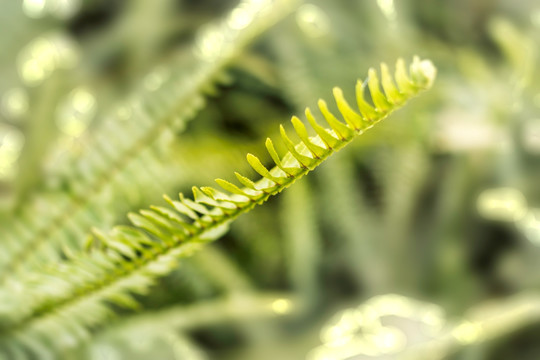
(70, 295)
(117, 103)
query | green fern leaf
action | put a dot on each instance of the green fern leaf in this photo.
(35, 236)
(66, 299)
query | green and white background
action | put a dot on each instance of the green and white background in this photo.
(419, 240)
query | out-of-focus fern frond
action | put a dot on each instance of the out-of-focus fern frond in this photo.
(123, 147)
(238, 309)
(345, 210)
(403, 176)
(57, 305)
(302, 241)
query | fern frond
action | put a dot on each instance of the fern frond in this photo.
(345, 210)
(302, 242)
(35, 236)
(64, 300)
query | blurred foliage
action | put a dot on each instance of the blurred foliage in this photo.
(439, 203)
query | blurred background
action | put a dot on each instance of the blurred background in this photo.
(420, 240)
